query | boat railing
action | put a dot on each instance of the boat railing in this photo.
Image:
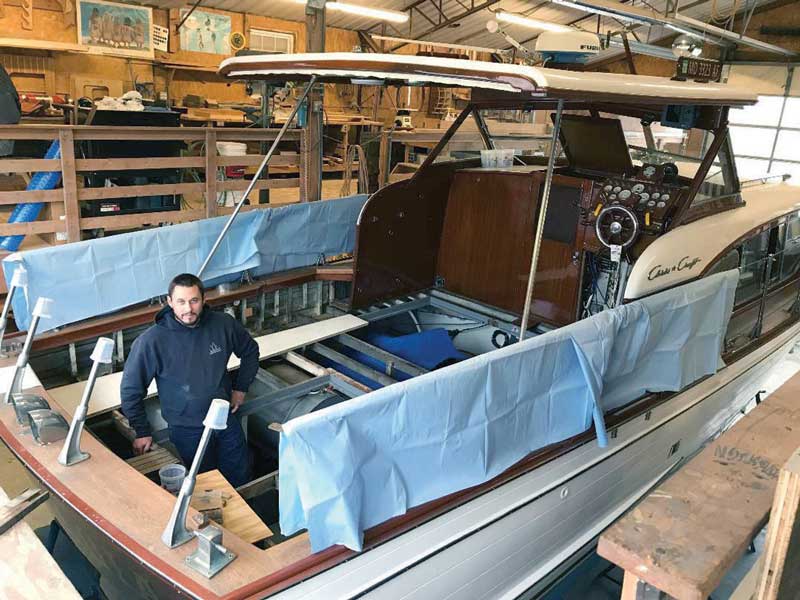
(62, 219)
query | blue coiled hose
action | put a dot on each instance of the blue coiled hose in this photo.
(25, 213)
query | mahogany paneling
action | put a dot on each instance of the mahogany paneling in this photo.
(397, 237)
(485, 251)
(487, 241)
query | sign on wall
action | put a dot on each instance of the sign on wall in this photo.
(114, 28)
(206, 32)
(160, 38)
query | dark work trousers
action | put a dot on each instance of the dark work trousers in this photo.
(227, 450)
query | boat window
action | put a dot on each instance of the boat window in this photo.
(791, 249)
(751, 270)
(726, 263)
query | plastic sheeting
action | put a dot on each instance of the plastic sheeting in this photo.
(351, 466)
(94, 277)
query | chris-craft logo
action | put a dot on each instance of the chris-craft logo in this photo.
(682, 265)
(213, 349)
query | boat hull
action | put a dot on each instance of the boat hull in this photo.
(513, 540)
(517, 539)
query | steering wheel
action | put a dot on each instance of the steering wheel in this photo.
(617, 225)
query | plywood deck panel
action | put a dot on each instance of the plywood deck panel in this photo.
(106, 397)
(236, 514)
(27, 570)
(686, 534)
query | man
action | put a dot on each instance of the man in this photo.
(187, 352)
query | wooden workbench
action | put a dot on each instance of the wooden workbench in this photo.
(686, 534)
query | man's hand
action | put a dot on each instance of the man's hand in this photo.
(142, 445)
(237, 399)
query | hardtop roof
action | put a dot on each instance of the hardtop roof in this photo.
(533, 83)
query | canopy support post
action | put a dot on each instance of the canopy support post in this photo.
(537, 242)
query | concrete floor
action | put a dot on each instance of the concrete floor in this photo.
(601, 580)
(13, 479)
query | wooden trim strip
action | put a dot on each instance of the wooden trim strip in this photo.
(136, 220)
(29, 165)
(25, 196)
(156, 189)
(129, 164)
(34, 227)
(261, 184)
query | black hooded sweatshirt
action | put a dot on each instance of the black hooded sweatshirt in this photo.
(189, 365)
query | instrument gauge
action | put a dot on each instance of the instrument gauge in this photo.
(649, 171)
(638, 188)
(617, 189)
(624, 194)
(644, 196)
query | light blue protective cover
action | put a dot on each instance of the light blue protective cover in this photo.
(354, 465)
(94, 277)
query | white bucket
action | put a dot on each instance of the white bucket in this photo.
(230, 149)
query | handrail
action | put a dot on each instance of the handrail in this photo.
(64, 221)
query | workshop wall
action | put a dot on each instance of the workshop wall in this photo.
(179, 72)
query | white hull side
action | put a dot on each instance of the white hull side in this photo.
(510, 539)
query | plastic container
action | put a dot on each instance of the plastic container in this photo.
(172, 477)
(497, 159)
(231, 198)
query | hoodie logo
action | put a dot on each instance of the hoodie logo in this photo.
(213, 349)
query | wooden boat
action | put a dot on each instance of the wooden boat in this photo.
(491, 255)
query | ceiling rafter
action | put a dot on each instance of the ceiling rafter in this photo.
(444, 21)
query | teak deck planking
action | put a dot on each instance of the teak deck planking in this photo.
(686, 534)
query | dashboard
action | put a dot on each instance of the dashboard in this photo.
(625, 207)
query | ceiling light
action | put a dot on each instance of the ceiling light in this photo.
(392, 16)
(514, 19)
(599, 11)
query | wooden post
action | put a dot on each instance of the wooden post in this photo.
(211, 173)
(315, 42)
(302, 167)
(383, 159)
(780, 577)
(69, 181)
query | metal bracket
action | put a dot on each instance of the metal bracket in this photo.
(211, 556)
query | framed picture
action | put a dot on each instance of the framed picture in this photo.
(121, 29)
(206, 32)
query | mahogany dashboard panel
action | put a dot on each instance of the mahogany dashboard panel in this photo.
(485, 251)
(398, 235)
(487, 241)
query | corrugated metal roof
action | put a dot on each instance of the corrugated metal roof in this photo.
(470, 30)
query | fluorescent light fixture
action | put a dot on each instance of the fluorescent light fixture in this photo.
(514, 19)
(733, 37)
(380, 14)
(600, 11)
(642, 48)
